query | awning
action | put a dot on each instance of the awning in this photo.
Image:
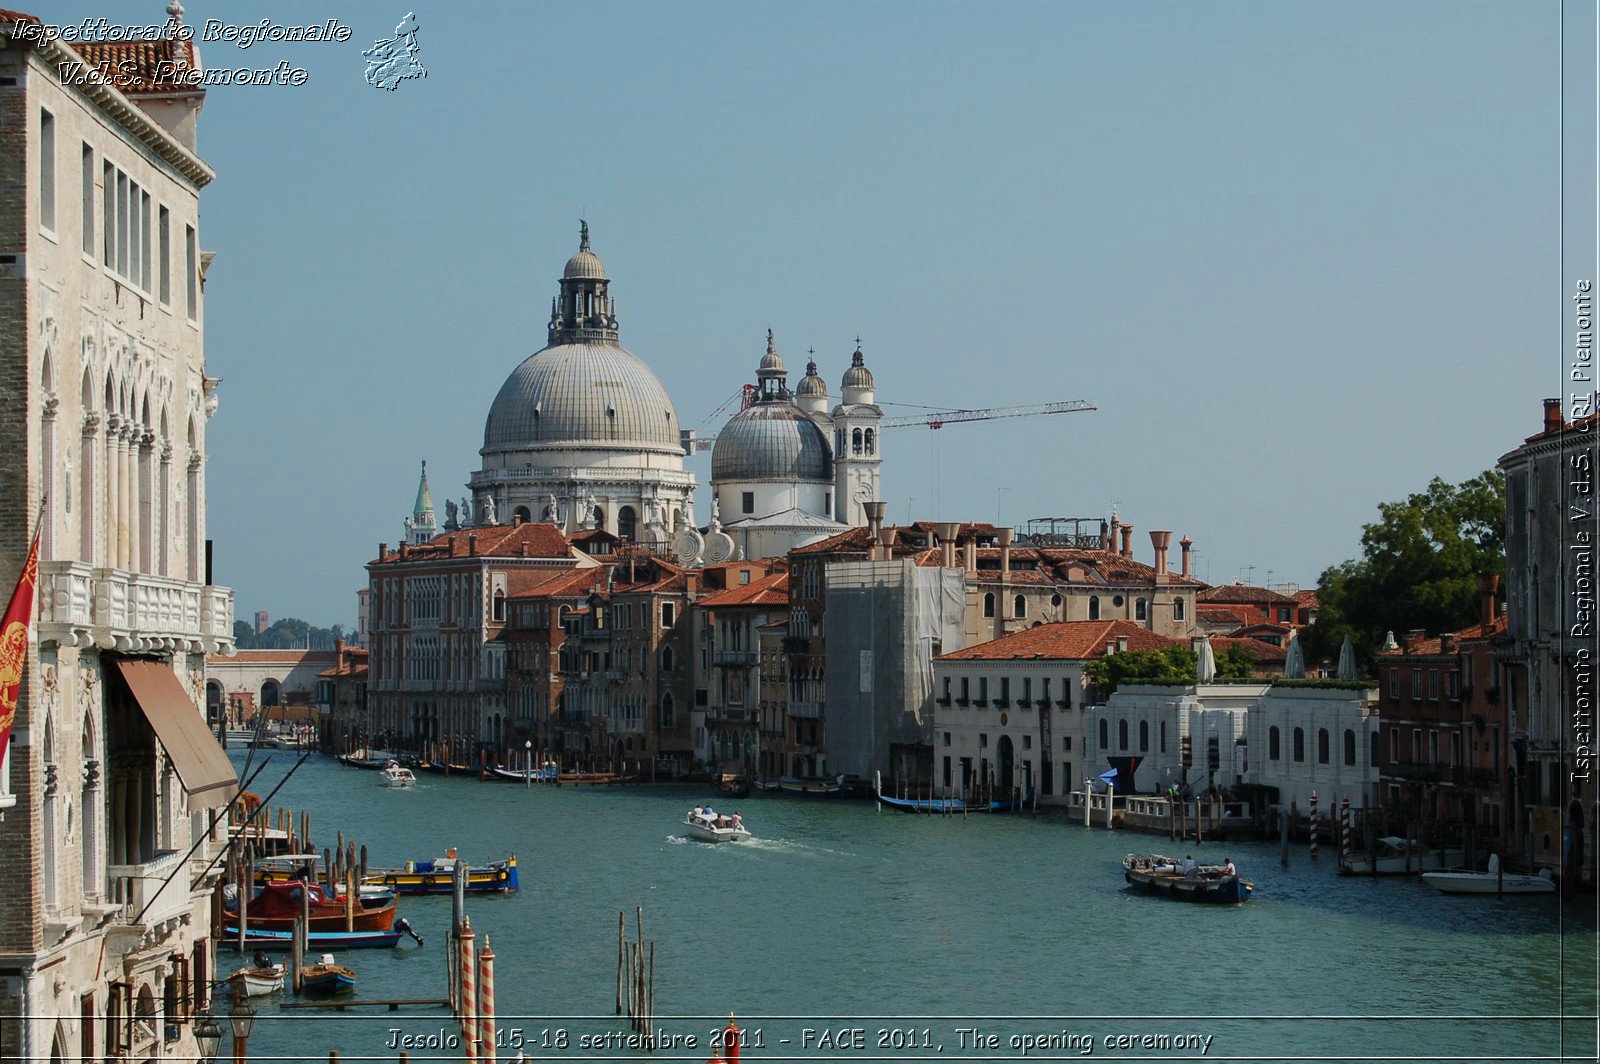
(200, 762)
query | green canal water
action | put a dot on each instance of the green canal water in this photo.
(887, 936)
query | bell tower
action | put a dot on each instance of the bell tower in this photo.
(857, 456)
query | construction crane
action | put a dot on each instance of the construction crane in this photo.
(940, 418)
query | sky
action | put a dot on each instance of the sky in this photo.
(1303, 257)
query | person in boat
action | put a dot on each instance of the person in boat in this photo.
(738, 821)
(697, 814)
(1189, 866)
(1228, 868)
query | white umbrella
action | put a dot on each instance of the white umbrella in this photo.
(1208, 661)
(1294, 664)
(1347, 660)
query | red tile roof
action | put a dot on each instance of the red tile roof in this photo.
(1064, 641)
(574, 583)
(1307, 597)
(528, 540)
(769, 591)
(1434, 646)
(1245, 594)
(1238, 616)
(275, 657)
(138, 67)
(17, 16)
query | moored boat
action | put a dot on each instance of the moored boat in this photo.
(263, 979)
(546, 774)
(813, 788)
(371, 764)
(326, 977)
(1496, 880)
(1166, 877)
(277, 904)
(437, 876)
(276, 940)
(933, 806)
(708, 827)
(1396, 856)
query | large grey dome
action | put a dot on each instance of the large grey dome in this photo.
(771, 441)
(595, 396)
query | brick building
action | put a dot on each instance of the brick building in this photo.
(111, 776)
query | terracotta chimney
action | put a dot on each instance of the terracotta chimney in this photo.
(1005, 554)
(472, 544)
(1105, 535)
(1111, 536)
(947, 531)
(383, 552)
(970, 559)
(403, 547)
(516, 519)
(1553, 421)
(1162, 542)
(1186, 544)
(1488, 584)
(1122, 644)
(874, 512)
(1413, 637)
(1127, 540)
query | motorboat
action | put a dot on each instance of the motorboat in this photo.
(277, 904)
(263, 979)
(1168, 878)
(395, 775)
(326, 977)
(1396, 856)
(1496, 880)
(437, 876)
(712, 828)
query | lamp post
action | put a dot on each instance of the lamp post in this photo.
(208, 1036)
(243, 1017)
(527, 746)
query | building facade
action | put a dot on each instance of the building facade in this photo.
(111, 782)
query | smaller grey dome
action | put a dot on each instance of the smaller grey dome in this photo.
(771, 362)
(584, 266)
(812, 385)
(771, 441)
(858, 376)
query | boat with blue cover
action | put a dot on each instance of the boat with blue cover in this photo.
(1184, 880)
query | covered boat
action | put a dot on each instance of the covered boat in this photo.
(396, 776)
(813, 788)
(707, 826)
(1494, 881)
(1185, 881)
(276, 905)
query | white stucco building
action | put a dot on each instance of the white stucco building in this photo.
(111, 776)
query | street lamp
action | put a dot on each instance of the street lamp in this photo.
(208, 1036)
(527, 746)
(244, 1018)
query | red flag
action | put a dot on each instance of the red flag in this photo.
(14, 643)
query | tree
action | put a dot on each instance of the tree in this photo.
(1418, 568)
(1176, 664)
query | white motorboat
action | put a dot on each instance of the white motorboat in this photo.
(715, 828)
(395, 775)
(1396, 857)
(259, 981)
(1493, 881)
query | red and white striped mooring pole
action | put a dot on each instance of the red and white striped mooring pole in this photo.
(1313, 825)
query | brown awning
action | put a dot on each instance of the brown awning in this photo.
(201, 763)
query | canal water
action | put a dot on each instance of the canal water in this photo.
(842, 934)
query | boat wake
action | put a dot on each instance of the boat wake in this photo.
(678, 840)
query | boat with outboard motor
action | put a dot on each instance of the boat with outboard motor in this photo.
(703, 824)
(1496, 880)
(326, 977)
(1185, 880)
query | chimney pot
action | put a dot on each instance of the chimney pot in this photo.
(383, 551)
(1187, 545)
(970, 561)
(1488, 584)
(472, 544)
(1005, 554)
(516, 519)
(1553, 420)
(1127, 540)
(1162, 542)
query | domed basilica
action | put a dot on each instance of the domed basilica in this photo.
(582, 435)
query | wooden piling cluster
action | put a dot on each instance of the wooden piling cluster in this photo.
(636, 978)
(469, 975)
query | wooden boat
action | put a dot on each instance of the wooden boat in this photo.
(1397, 856)
(1494, 881)
(437, 876)
(731, 785)
(813, 788)
(1155, 874)
(718, 829)
(395, 776)
(547, 774)
(592, 779)
(276, 905)
(371, 764)
(263, 979)
(326, 977)
(276, 940)
(934, 806)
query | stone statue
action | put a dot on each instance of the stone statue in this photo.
(450, 512)
(716, 515)
(552, 510)
(466, 513)
(586, 508)
(488, 510)
(410, 524)
(583, 235)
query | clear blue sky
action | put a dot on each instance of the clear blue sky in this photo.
(1303, 256)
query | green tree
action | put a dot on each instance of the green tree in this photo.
(1418, 567)
(1176, 664)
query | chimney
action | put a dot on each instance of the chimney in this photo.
(1186, 544)
(1005, 554)
(402, 550)
(472, 544)
(947, 531)
(1488, 584)
(1553, 421)
(970, 561)
(1104, 532)
(1162, 542)
(516, 519)
(383, 552)
(1111, 536)
(1447, 644)
(1127, 540)
(1122, 644)
(874, 511)
(885, 544)
(1413, 637)
(338, 650)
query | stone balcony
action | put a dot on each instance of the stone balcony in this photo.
(736, 657)
(158, 889)
(806, 710)
(117, 610)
